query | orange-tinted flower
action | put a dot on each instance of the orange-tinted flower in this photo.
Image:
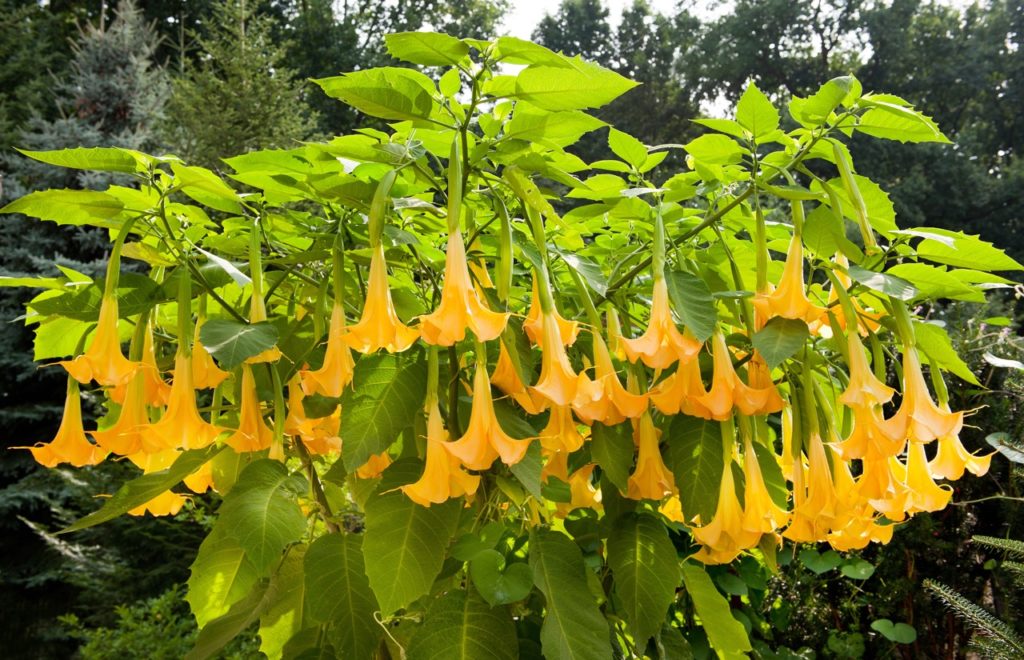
(560, 433)
(181, 427)
(460, 306)
(318, 434)
(672, 508)
(506, 378)
(534, 323)
(557, 383)
(952, 459)
(725, 536)
(252, 434)
(814, 497)
(881, 483)
(865, 320)
(718, 401)
(443, 476)
(379, 326)
(126, 435)
(103, 361)
(167, 503)
(205, 372)
(651, 480)
(871, 437)
(604, 399)
(484, 439)
(70, 444)
(789, 299)
(864, 388)
(922, 420)
(157, 392)
(336, 372)
(682, 392)
(258, 314)
(855, 524)
(374, 466)
(201, 480)
(662, 344)
(759, 396)
(925, 494)
(760, 512)
(583, 493)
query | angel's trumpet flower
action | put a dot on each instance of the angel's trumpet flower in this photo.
(918, 414)
(460, 306)
(70, 445)
(864, 321)
(725, 536)
(181, 427)
(443, 476)
(759, 396)
(103, 360)
(258, 314)
(789, 299)
(374, 466)
(583, 494)
(201, 480)
(318, 434)
(925, 494)
(558, 381)
(379, 326)
(662, 344)
(506, 378)
(484, 439)
(719, 399)
(205, 372)
(125, 436)
(561, 433)
(855, 524)
(534, 323)
(252, 434)
(336, 372)
(881, 483)
(760, 512)
(864, 388)
(682, 392)
(814, 504)
(952, 459)
(871, 437)
(157, 392)
(167, 503)
(651, 480)
(604, 399)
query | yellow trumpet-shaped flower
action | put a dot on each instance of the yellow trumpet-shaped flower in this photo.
(662, 344)
(725, 536)
(103, 360)
(789, 299)
(258, 314)
(604, 399)
(583, 494)
(484, 439)
(506, 378)
(560, 433)
(865, 321)
(157, 391)
(167, 503)
(925, 494)
(534, 323)
(379, 326)
(126, 435)
(181, 427)
(318, 434)
(672, 508)
(336, 372)
(918, 416)
(201, 480)
(252, 433)
(70, 445)
(864, 388)
(374, 466)
(460, 306)
(205, 372)
(558, 381)
(881, 484)
(952, 459)
(759, 396)
(443, 476)
(855, 524)
(871, 437)
(651, 480)
(682, 392)
(760, 512)
(814, 496)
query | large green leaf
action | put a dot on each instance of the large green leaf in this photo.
(755, 112)
(386, 92)
(221, 576)
(104, 159)
(727, 635)
(500, 583)
(142, 489)
(584, 85)
(559, 129)
(612, 449)
(427, 48)
(780, 339)
(715, 149)
(69, 207)
(933, 281)
(285, 613)
(573, 628)
(627, 147)
(386, 395)
(262, 511)
(695, 457)
(646, 571)
(692, 301)
(886, 283)
(338, 593)
(217, 633)
(955, 248)
(461, 626)
(935, 342)
(232, 342)
(207, 188)
(404, 546)
(892, 118)
(527, 471)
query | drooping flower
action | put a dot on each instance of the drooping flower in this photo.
(759, 396)
(484, 439)
(252, 433)
(789, 300)
(583, 494)
(443, 477)
(760, 512)
(561, 434)
(651, 480)
(460, 306)
(725, 536)
(167, 503)
(864, 389)
(925, 494)
(103, 360)
(682, 392)
(534, 323)
(336, 372)
(70, 445)
(201, 480)
(318, 434)
(662, 344)
(205, 372)
(604, 399)
(379, 326)
(374, 466)
(855, 524)
(125, 436)
(918, 417)
(719, 399)
(865, 321)
(181, 427)
(814, 497)
(952, 459)
(871, 436)
(557, 384)
(506, 378)
(157, 392)
(258, 314)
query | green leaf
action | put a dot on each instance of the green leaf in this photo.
(934, 341)
(284, 616)
(386, 395)
(627, 147)
(932, 281)
(692, 302)
(520, 51)
(695, 457)
(820, 562)
(726, 635)
(963, 251)
(262, 511)
(527, 471)
(142, 489)
(715, 149)
(500, 583)
(69, 207)
(755, 112)
(217, 633)
(386, 92)
(427, 48)
(646, 571)
(584, 85)
(900, 633)
(888, 284)
(404, 546)
(221, 576)
(891, 118)
(240, 278)
(557, 129)
(815, 110)
(135, 294)
(232, 342)
(32, 282)
(461, 626)
(338, 593)
(1002, 363)
(207, 188)
(1001, 442)
(588, 270)
(881, 212)
(103, 159)
(573, 628)
(612, 450)
(780, 339)
(857, 569)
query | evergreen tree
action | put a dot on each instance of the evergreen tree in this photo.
(579, 27)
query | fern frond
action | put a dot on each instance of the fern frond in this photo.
(990, 649)
(978, 618)
(1010, 546)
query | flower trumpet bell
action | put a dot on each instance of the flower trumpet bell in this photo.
(318, 434)
(205, 372)
(126, 435)
(814, 496)
(719, 399)
(460, 306)
(864, 388)
(682, 392)
(70, 445)
(157, 392)
(336, 372)
(651, 480)
(506, 378)
(922, 420)
(443, 476)
(484, 439)
(604, 399)
(181, 427)
(534, 323)
(760, 512)
(561, 434)
(925, 494)
(952, 459)
(558, 381)
(662, 344)
(252, 434)
(379, 326)
(374, 466)
(725, 536)
(789, 300)
(167, 503)
(103, 360)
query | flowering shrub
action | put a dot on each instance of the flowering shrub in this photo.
(464, 394)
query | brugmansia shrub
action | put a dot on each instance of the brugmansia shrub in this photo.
(466, 395)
